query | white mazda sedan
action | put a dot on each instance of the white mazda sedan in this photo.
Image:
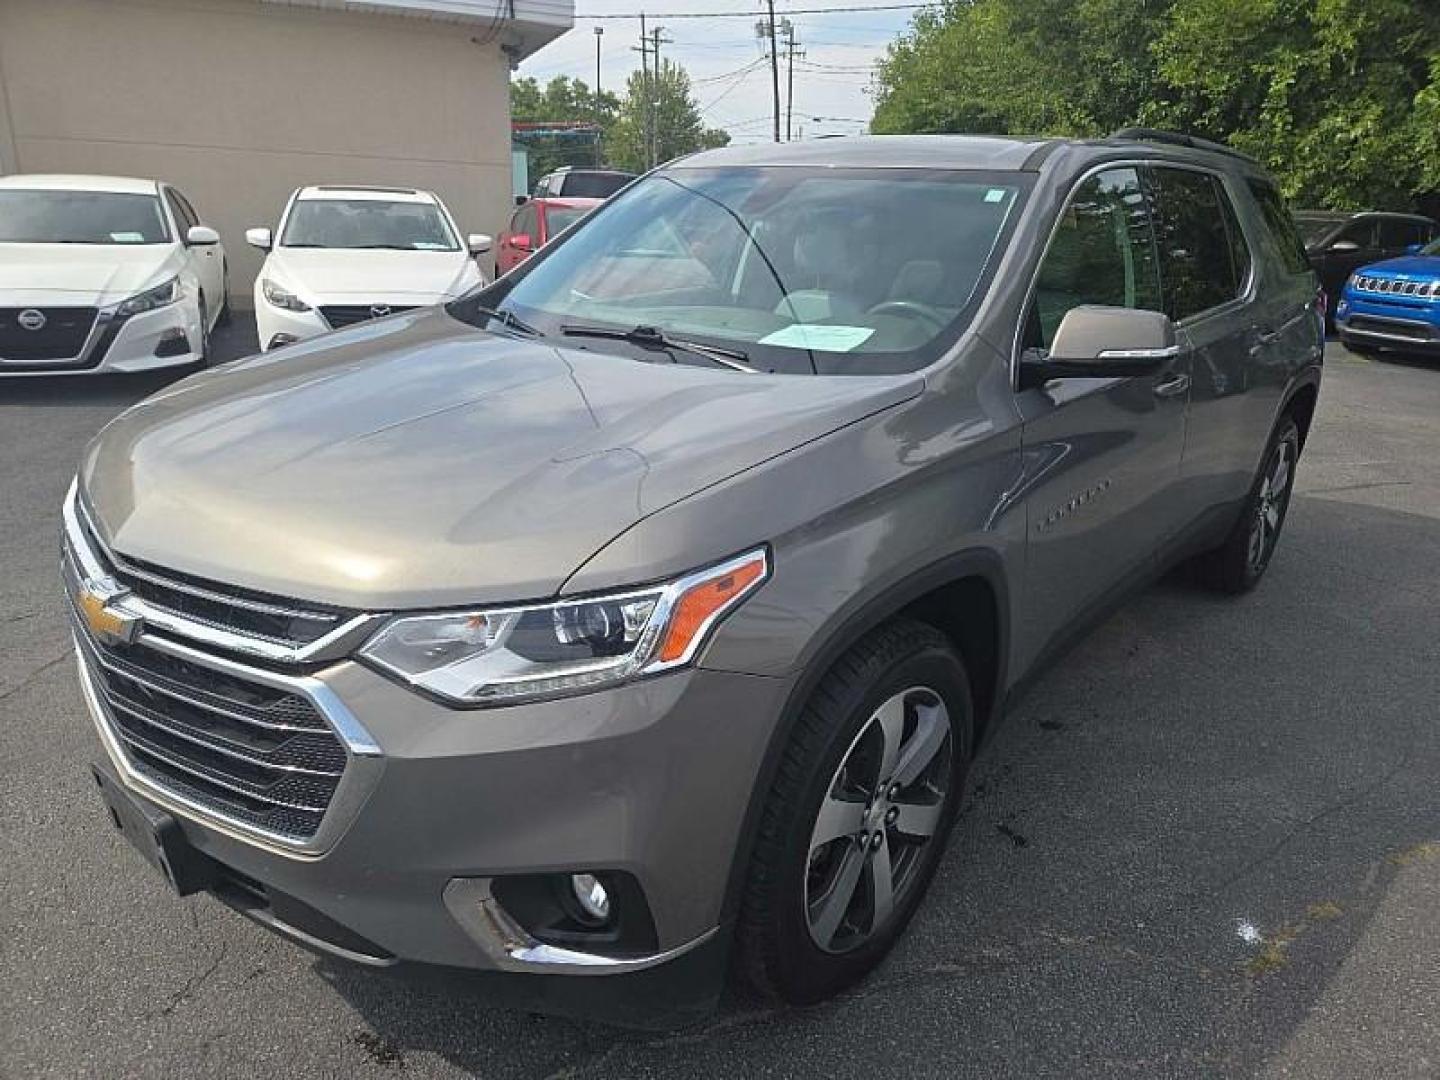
(101, 274)
(343, 255)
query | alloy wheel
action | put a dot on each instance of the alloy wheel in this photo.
(881, 809)
(1270, 504)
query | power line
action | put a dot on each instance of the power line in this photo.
(747, 15)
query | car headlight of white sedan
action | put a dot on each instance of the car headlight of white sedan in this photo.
(282, 297)
(162, 295)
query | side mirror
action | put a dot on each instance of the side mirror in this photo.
(479, 242)
(259, 238)
(201, 236)
(1344, 247)
(1105, 343)
(521, 200)
(522, 242)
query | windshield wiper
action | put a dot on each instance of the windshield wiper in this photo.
(652, 337)
(507, 318)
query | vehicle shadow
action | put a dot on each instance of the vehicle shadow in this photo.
(1168, 855)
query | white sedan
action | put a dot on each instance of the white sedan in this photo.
(103, 273)
(343, 255)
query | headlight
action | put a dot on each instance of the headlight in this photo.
(506, 654)
(166, 293)
(282, 298)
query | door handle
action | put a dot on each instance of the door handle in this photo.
(1268, 337)
(1174, 386)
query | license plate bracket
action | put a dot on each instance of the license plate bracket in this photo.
(157, 836)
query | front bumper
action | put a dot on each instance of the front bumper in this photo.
(1403, 324)
(163, 338)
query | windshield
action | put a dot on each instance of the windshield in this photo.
(368, 223)
(80, 217)
(592, 185)
(826, 270)
(560, 218)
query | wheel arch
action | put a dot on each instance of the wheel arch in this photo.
(965, 596)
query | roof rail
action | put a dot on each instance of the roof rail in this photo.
(1176, 138)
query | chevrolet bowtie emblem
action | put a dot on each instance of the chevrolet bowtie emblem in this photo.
(99, 601)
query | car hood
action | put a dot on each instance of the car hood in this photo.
(1407, 268)
(417, 461)
(86, 275)
(328, 274)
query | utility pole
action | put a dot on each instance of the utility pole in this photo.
(774, 69)
(656, 42)
(645, 109)
(599, 154)
(792, 50)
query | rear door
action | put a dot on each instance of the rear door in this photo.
(1208, 270)
(1103, 455)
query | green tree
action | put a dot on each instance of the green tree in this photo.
(561, 100)
(1340, 98)
(677, 127)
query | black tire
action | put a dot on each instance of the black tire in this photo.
(223, 318)
(204, 359)
(777, 951)
(1237, 565)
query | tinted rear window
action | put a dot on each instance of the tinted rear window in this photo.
(1283, 227)
(583, 185)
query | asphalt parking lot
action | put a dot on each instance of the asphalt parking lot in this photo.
(1207, 844)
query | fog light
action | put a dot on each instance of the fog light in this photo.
(594, 901)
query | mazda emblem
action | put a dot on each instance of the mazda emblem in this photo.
(30, 319)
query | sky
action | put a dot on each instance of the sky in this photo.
(728, 66)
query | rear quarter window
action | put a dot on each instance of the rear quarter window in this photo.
(1281, 226)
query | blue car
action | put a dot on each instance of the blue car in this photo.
(1393, 304)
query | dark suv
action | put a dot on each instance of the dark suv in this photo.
(648, 606)
(1338, 244)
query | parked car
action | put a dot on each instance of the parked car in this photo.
(102, 274)
(1393, 305)
(581, 183)
(344, 255)
(534, 224)
(1339, 244)
(650, 603)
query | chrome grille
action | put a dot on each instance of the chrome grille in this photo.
(265, 752)
(1369, 283)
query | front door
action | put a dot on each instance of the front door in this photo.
(1102, 455)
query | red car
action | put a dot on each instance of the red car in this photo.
(534, 223)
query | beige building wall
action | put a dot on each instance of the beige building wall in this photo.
(238, 103)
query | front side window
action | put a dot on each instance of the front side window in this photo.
(560, 218)
(368, 223)
(801, 269)
(185, 219)
(1396, 234)
(1102, 252)
(80, 217)
(1363, 232)
(1197, 263)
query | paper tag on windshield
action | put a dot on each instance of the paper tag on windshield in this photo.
(127, 238)
(818, 337)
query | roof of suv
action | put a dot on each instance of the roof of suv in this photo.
(960, 152)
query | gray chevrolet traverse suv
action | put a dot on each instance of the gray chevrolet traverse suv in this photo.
(633, 621)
